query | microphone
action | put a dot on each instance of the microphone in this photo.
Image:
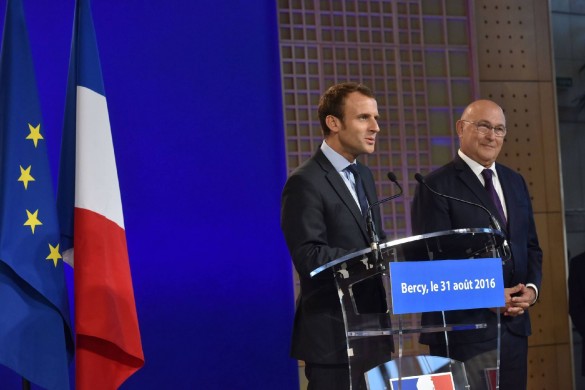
(370, 220)
(493, 220)
(393, 179)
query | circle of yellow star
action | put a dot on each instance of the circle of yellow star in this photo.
(54, 255)
(35, 133)
(32, 220)
(25, 176)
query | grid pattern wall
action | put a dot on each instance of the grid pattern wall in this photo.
(416, 57)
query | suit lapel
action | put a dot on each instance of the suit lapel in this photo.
(341, 189)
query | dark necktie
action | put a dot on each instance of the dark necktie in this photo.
(489, 187)
(359, 188)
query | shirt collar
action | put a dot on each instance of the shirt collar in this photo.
(476, 167)
(337, 160)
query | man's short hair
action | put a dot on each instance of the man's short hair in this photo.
(333, 101)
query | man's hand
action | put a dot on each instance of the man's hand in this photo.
(518, 299)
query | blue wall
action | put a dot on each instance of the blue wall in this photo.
(194, 94)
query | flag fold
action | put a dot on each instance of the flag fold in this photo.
(108, 344)
(35, 333)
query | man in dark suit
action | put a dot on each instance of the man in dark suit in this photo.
(322, 220)
(577, 299)
(481, 132)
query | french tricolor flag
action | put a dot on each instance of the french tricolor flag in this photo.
(442, 381)
(108, 344)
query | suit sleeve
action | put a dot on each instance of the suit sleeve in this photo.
(533, 247)
(577, 294)
(303, 222)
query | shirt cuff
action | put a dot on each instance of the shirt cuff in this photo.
(533, 286)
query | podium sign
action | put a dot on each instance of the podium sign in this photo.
(423, 286)
(422, 283)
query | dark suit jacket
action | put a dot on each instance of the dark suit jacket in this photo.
(577, 298)
(321, 222)
(433, 213)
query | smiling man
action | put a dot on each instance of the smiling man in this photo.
(322, 218)
(474, 176)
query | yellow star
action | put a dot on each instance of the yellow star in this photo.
(25, 176)
(32, 220)
(54, 255)
(35, 133)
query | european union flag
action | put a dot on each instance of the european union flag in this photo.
(35, 334)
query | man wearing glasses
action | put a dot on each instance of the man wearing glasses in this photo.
(473, 175)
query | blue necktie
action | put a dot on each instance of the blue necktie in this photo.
(489, 187)
(359, 189)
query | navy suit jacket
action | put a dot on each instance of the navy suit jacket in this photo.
(432, 213)
(577, 298)
(321, 222)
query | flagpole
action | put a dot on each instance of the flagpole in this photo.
(25, 384)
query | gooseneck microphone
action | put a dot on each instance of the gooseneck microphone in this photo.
(374, 240)
(393, 179)
(493, 220)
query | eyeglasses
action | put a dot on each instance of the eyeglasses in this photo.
(486, 127)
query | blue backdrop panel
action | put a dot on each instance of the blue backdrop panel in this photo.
(194, 95)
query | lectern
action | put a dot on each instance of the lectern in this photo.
(428, 279)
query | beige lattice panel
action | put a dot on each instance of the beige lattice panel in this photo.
(547, 367)
(532, 134)
(550, 322)
(515, 63)
(513, 40)
(416, 57)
